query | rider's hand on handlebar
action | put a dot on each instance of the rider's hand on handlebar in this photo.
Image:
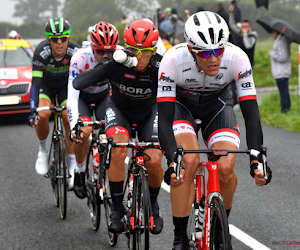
(259, 176)
(30, 120)
(170, 176)
(74, 138)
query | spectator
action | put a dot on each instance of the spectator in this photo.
(14, 35)
(246, 38)
(187, 15)
(281, 68)
(165, 39)
(237, 16)
(168, 11)
(178, 29)
(174, 11)
(161, 16)
(200, 8)
(222, 12)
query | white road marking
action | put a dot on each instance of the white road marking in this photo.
(234, 231)
(246, 239)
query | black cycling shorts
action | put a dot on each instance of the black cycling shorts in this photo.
(119, 120)
(49, 93)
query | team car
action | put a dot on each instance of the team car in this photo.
(15, 76)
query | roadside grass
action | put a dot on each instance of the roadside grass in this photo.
(270, 112)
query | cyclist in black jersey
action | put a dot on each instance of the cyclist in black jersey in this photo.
(132, 101)
(50, 72)
(105, 39)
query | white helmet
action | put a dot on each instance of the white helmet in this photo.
(206, 30)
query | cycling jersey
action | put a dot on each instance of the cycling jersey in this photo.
(180, 79)
(48, 70)
(131, 90)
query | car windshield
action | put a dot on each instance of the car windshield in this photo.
(18, 56)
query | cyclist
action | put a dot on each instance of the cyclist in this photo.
(104, 37)
(193, 84)
(132, 101)
(50, 70)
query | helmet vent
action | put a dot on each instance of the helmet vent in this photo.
(202, 36)
(220, 35)
(196, 20)
(211, 35)
(218, 18)
(146, 35)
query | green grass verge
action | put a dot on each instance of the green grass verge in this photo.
(270, 112)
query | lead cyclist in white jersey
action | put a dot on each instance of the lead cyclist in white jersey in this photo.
(193, 84)
(104, 41)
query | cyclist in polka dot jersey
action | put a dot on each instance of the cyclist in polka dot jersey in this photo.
(105, 38)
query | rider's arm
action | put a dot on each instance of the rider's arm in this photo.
(248, 101)
(166, 98)
(37, 77)
(102, 71)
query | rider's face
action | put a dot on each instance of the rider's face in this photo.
(59, 48)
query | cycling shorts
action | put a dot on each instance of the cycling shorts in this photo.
(99, 104)
(118, 120)
(219, 125)
(49, 93)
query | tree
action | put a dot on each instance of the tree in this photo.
(36, 10)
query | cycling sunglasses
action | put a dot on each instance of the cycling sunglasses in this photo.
(102, 52)
(143, 52)
(207, 53)
(56, 39)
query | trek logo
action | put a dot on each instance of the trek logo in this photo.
(219, 77)
(190, 80)
(164, 78)
(245, 74)
(246, 85)
(166, 88)
(133, 90)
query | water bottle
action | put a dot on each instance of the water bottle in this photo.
(121, 57)
(199, 217)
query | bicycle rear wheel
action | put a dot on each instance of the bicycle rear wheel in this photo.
(52, 162)
(142, 220)
(219, 231)
(92, 175)
(62, 158)
(107, 202)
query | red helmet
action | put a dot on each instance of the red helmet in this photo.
(141, 33)
(104, 36)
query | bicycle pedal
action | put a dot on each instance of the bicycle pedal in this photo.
(47, 175)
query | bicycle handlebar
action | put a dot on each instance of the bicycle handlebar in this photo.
(94, 124)
(215, 154)
(45, 108)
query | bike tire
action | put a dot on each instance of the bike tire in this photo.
(219, 230)
(92, 187)
(141, 232)
(62, 178)
(52, 162)
(108, 206)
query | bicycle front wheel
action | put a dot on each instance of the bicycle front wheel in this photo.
(62, 157)
(52, 162)
(219, 231)
(142, 220)
(92, 182)
(107, 202)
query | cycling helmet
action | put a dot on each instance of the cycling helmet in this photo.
(141, 33)
(104, 36)
(14, 35)
(206, 30)
(57, 27)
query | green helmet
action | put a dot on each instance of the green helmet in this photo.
(57, 27)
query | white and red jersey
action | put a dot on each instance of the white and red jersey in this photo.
(178, 68)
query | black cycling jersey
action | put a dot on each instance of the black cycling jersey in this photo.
(130, 90)
(48, 70)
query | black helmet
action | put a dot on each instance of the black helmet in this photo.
(57, 27)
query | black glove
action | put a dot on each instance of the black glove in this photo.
(74, 131)
(254, 166)
(167, 176)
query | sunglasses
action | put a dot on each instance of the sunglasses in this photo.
(144, 52)
(207, 53)
(102, 52)
(56, 39)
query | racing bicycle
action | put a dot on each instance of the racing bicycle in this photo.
(208, 226)
(58, 157)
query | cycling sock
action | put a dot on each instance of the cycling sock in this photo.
(43, 144)
(72, 161)
(116, 190)
(153, 194)
(80, 167)
(180, 224)
(228, 212)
